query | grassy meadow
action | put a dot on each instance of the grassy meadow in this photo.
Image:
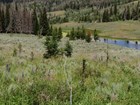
(60, 80)
(118, 30)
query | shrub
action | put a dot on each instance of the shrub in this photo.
(68, 49)
(15, 52)
(88, 38)
(32, 56)
(20, 47)
(96, 36)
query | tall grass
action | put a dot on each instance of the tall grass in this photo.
(58, 81)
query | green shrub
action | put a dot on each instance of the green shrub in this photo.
(68, 49)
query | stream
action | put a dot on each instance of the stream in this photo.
(123, 43)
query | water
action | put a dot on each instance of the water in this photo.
(124, 43)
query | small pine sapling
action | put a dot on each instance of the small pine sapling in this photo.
(68, 49)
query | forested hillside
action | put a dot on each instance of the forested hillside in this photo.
(26, 17)
(74, 4)
(69, 52)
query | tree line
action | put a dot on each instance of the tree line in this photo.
(112, 13)
(128, 13)
(19, 18)
(53, 5)
(80, 33)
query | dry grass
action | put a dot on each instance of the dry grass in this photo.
(57, 13)
(41, 80)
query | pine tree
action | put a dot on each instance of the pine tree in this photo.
(0, 21)
(72, 34)
(13, 24)
(55, 34)
(105, 16)
(128, 15)
(35, 23)
(68, 49)
(134, 14)
(124, 15)
(111, 11)
(50, 31)
(7, 16)
(44, 23)
(78, 33)
(3, 21)
(60, 33)
(96, 37)
(115, 9)
(51, 45)
(83, 33)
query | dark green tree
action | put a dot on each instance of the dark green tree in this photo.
(0, 21)
(35, 23)
(44, 23)
(128, 15)
(134, 15)
(78, 33)
(83, 33)
(105, 16)
(55, 34)
(3, 21)
(7, 16)
(60, 35)
(115, 9)
(111, 11)
(51, 45)
(13, 24)
(68, 49)
(72, 34)
(96, 36)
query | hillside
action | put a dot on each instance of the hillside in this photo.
(74, 4)
(69, 52)
(53, 81)
(6, 1)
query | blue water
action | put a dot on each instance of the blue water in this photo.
(124, 43)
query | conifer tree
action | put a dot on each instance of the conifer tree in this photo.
(105, 16)
(35, 23)
(83, 33)
(13, 24)
(68, 49)
(115, 9)
(60, 33)
(3, 21)
(50, 31)
(111, 11)
(128, 15)
(55, 34)
(72, 34)
(44, 23)
(7, 16)
(96, 37)
(0, 21)
(51, 45)
(134, 14)
(78, 33)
